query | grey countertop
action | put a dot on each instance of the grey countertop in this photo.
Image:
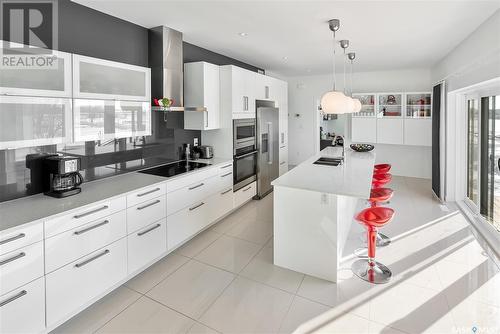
(33, 208)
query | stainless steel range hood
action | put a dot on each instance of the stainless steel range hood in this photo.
(167, 67)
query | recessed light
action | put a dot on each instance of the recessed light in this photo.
(242, 34)
(285, 58)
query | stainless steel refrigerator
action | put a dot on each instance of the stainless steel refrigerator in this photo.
(268, 148)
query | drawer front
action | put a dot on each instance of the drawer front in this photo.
(21, 266)
(146, 194)
(74, 285)
(191, 194)
(228, 167)
(75, 243)
(83, 215)
(146, 244)
(23, 309)
(245, 194)
(222, 203)
(187, 222)
(225, 180)
(146, 213)
(19, 237)
(191, 178)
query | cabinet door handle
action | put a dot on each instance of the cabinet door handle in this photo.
(226, 166)
(149, 230)
(148, 192)
(10, 259)
(282, 163)
(19, 236)
(196, 206)
(225, 192)
(227, 174)
(267, 92)
(197, 186)
(91, 227)
(81, 264)
(148, 205)
(207, 118)
(90, 212)
(246, 189)
(244, 103)
(11, 299)
(282, 137)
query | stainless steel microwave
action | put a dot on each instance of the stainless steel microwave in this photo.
(244, 132)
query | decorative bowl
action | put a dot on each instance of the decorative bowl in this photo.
(362, 147)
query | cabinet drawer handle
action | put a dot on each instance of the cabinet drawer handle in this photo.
(282, 163)
(225, 192)
(246, 189)
(196, 206)
(148, 205)
(90, 212)
(91, 227)
(226, 166)
(149, 230)
(227, 174)
(11, 299)
(15, 257)
(197, 186)
(148, 192)
(19, 236)
(81, 264)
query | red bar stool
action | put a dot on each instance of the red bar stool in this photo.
(381, 168)
(369, 269)
(380, 180)
(380, 195)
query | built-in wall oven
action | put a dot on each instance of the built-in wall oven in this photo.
(245, 152)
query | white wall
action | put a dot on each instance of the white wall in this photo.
(474, 60)
(305, 91)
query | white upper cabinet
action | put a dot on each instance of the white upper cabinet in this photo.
(202, 89)
(103, 79)
(238, 90)
(34, 121)
(49, 80)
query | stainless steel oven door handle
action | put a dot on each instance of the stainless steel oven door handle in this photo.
(244, 155)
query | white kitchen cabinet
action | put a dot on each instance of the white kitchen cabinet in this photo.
(146, 244)
(106, 119)
(75, 243)
(20, 267)
(283, 160)
(191, 194)
(418, 132)
(238, 91)
(146, 194)
(72, 287)
(245, 194)
(95, 78)
(390, 131)
(18, 237)
(144, 214)
(267, 88)
(34, 121)
(22, 310)
(282, 104)
(223, 203)
(53, 80)
(202, 89)
(364, 129)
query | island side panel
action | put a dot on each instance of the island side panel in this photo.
(347, 207)
(305, 232)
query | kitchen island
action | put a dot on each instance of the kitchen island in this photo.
(314, 206)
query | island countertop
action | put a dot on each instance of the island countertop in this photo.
(352, 178)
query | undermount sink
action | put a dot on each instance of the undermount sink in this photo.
(329, 161)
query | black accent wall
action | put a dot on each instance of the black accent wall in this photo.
(85, 31)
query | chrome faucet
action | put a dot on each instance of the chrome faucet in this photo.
(343, 144)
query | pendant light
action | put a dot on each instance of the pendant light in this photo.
(357, 104)
(334, 102)
(344, 44)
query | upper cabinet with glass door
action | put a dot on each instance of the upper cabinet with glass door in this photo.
(367, 105)
(31, 73)
(418, 105)
(390, 105)
(108, 80)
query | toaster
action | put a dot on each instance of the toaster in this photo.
(206, 152)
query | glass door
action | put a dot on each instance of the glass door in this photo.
(473, 152)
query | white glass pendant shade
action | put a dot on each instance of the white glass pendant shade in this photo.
(357, 105)
(350, 104)
(334, 102)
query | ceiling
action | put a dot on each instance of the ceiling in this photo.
(292, 37)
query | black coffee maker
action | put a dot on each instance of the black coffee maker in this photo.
(64, 178)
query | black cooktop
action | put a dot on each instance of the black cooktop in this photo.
(174, 168)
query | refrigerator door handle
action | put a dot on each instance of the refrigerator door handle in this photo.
(270, 143)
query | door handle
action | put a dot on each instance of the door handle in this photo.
(11, 299)
(270, 143)
(498, 162)
(148, 192)
(148, 230)
(19, 236)
(90, 228)
(148, 205)
(90, 212)
(81, 264)
(245, 155)
(13, 258)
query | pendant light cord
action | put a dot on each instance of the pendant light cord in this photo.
(345, 87)
(351, 78)
(334, 75)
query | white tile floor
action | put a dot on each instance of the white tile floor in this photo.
(224, 281)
